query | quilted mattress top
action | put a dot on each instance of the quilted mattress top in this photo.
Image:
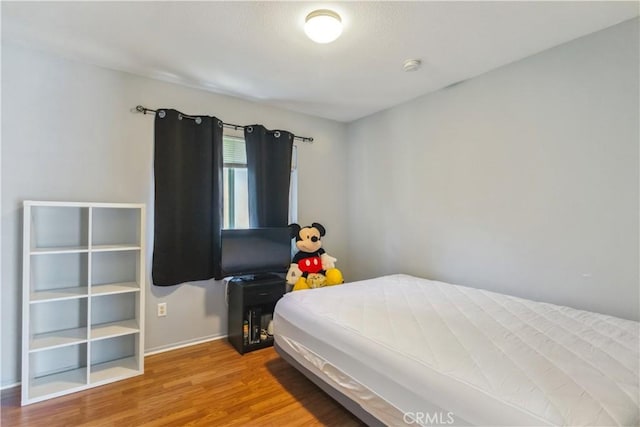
(560, 365)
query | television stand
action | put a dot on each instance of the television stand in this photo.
(252, 300)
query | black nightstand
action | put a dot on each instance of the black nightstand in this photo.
(251, 305)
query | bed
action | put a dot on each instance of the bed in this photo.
(401, 350)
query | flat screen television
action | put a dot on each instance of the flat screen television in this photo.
(255, 251)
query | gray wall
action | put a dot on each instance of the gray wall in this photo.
(523, 180)
(68, 134)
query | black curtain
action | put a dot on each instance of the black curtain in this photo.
(188, 198)
(269, 174)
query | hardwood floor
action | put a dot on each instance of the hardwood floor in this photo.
(203, 385)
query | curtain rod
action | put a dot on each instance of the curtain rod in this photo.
(145, 110)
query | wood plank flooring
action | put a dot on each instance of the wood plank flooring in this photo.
(203, 385)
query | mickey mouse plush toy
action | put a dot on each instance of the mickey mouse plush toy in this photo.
(311, 267)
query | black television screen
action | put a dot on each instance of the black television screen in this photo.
(255, 251)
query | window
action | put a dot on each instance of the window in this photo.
(235, 186)
(236, 197)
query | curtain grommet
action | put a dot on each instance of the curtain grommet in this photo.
(277, 134)
(179, 116)
(249, 129)
(220, 123)
(198, 120)
(162, 114)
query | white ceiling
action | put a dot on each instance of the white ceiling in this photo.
(258, 50)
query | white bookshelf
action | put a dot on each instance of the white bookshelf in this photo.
(83, 296)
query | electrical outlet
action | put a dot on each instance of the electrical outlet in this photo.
(162, 309)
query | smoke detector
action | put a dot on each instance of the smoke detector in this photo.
(411, 65)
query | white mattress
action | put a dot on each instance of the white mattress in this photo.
(412, 349)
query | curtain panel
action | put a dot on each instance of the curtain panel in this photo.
(269, 174)
(188, 198)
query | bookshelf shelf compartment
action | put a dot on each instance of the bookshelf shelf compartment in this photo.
(114, 288)
(83, 305)
(60, 250)
(114, 248)
(114, 329)
(113, 370)
(57, 384)
(60, 275)
(59, 294)
(57, 371)
(114, 357)
(70, 233)
(56, 339)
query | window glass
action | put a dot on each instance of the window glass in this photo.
(236, 199)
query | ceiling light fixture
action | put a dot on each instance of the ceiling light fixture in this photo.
(323, 26)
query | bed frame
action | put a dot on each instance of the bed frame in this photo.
(345, 401)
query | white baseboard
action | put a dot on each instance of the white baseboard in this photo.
(155, 350)
(182, 344)
(8, 386)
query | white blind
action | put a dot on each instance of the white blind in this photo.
(234, 152)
